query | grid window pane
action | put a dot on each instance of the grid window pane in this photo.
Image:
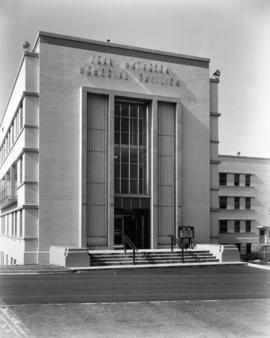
(124, 124)
(124, 186)
(133, 171)
(133, 186)
(237, 203)
(116, 138)
(223, 228)
(248, 226)
(247, 180)
(124, 109)
(248, 202)
(236, 226)
(133, 125)
(131, 147)
(116, 170)
(124, 170)
(223, 202)
(222, 179)
(133, 111)
(124, 138)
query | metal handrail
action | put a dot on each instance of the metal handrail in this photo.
(181, 244)
(126, 240)
(260, 245)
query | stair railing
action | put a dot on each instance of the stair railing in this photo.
(183, 245)
(127, 241)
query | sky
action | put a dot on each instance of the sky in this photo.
(234, 34)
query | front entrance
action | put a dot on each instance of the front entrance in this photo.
(135, 226)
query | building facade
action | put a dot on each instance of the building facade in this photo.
(244, 201)
(100, 140)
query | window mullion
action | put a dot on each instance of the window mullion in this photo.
(129, 137)
(138, 150)
(120, 149)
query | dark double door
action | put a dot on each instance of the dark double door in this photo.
(135, 226)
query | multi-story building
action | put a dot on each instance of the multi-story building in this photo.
(100, 139)
(244, 201)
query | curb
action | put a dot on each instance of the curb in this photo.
(152, 266)
(113, 267)
(258, 266)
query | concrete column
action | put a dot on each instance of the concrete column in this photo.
(111, 173)
(178, 199)
(153, 175)
(214, 160)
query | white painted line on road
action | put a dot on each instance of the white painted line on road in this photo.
(13, 323)
(258, 266)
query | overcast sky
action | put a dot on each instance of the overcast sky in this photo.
(234, 34)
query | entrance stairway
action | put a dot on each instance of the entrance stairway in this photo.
(150, 257)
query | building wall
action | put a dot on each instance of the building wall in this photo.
(19, 167)
(47, 154)
(62, 75)
(258, 191)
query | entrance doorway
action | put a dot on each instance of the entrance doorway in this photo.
(135, 226)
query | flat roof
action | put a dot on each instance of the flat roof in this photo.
(110, 47)
(245, 157)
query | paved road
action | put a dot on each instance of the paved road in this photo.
(183, 283)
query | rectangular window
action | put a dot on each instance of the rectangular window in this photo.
(248, 226)
(236, 226)
(222, 179)
(223, 202)
(247, 180)
(236, 179)
(20, 224)
(248, 203)
(237, 203)
(130, 150)
(223, 226)
(21, 116)
(21, 169)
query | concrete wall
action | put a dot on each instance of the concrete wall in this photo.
(259, 191)
(62, 74)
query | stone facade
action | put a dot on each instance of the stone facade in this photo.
(58, 148)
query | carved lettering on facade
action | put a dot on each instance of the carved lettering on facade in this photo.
(100, 66)
(149, 73)
(157, 74)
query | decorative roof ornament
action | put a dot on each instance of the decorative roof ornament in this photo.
(26, 46)
(217, 74)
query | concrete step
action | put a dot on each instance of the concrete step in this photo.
(154, 257)
(151, 257)
(154, 262)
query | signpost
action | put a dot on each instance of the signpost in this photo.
(186, 236)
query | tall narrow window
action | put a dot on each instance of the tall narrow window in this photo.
(21, 169)
(130, 148)
(237, 203)
(222, 179)
(236, 179)
(248, 226)
(223, 226)
(248, 202)
(247, 180)
(20, 224)
(223, 202)
(21, 116)
(237, 226)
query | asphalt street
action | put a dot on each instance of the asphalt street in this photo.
(156, 284)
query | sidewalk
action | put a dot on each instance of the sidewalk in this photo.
(32, 269)
(52, 269)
